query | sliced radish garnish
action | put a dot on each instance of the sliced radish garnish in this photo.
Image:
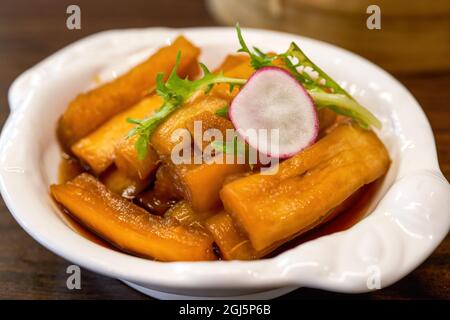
(273, 99)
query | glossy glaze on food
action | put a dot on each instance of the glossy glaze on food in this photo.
(128, 226)
(154, 208)
(272, 208)
(89, 110)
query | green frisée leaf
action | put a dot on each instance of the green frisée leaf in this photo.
(322, 88)
(234, 147)
(178, 90)
(323, 79)
(342, 104)
(223, 112)
(175, 92)
(141, 146)
(258, 58)
(326, 92)
(145, 127)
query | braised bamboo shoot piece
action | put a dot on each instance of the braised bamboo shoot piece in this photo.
(200, 184)
(184, 214)
(98, 148)
(271, 208)
(123, 185)
(89, 110)
(126, 156)
(233, 243)
(128, 226)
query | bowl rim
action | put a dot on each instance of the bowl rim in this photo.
(299, 266)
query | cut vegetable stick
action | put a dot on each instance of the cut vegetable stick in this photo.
(161, 139)
(121, 184)
(208, 120)
(231, 61)
(89, 110)
(200, 184)
(185, 215)
(192, 70)
(300, 195)
(127, 158)
(128, 226)
(233, 244)
(98, 148)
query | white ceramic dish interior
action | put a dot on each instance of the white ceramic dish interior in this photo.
(411, 212)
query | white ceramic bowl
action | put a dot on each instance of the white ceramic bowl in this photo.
(410, 216)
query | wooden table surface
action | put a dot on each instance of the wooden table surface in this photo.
(30, 31)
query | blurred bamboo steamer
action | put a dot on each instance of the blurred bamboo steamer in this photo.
(414, 34)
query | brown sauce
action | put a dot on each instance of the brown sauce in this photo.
(356, 208)
(68, 169)
(154, 201)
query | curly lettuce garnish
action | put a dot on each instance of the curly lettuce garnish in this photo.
(175, 91)
(325, 92)
(223, 112)
(258, 58)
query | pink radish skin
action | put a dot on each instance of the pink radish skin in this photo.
(273, 98)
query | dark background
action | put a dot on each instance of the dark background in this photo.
(32, 30)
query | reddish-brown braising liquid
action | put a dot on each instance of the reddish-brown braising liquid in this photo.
(357, 209)
(69, 168)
